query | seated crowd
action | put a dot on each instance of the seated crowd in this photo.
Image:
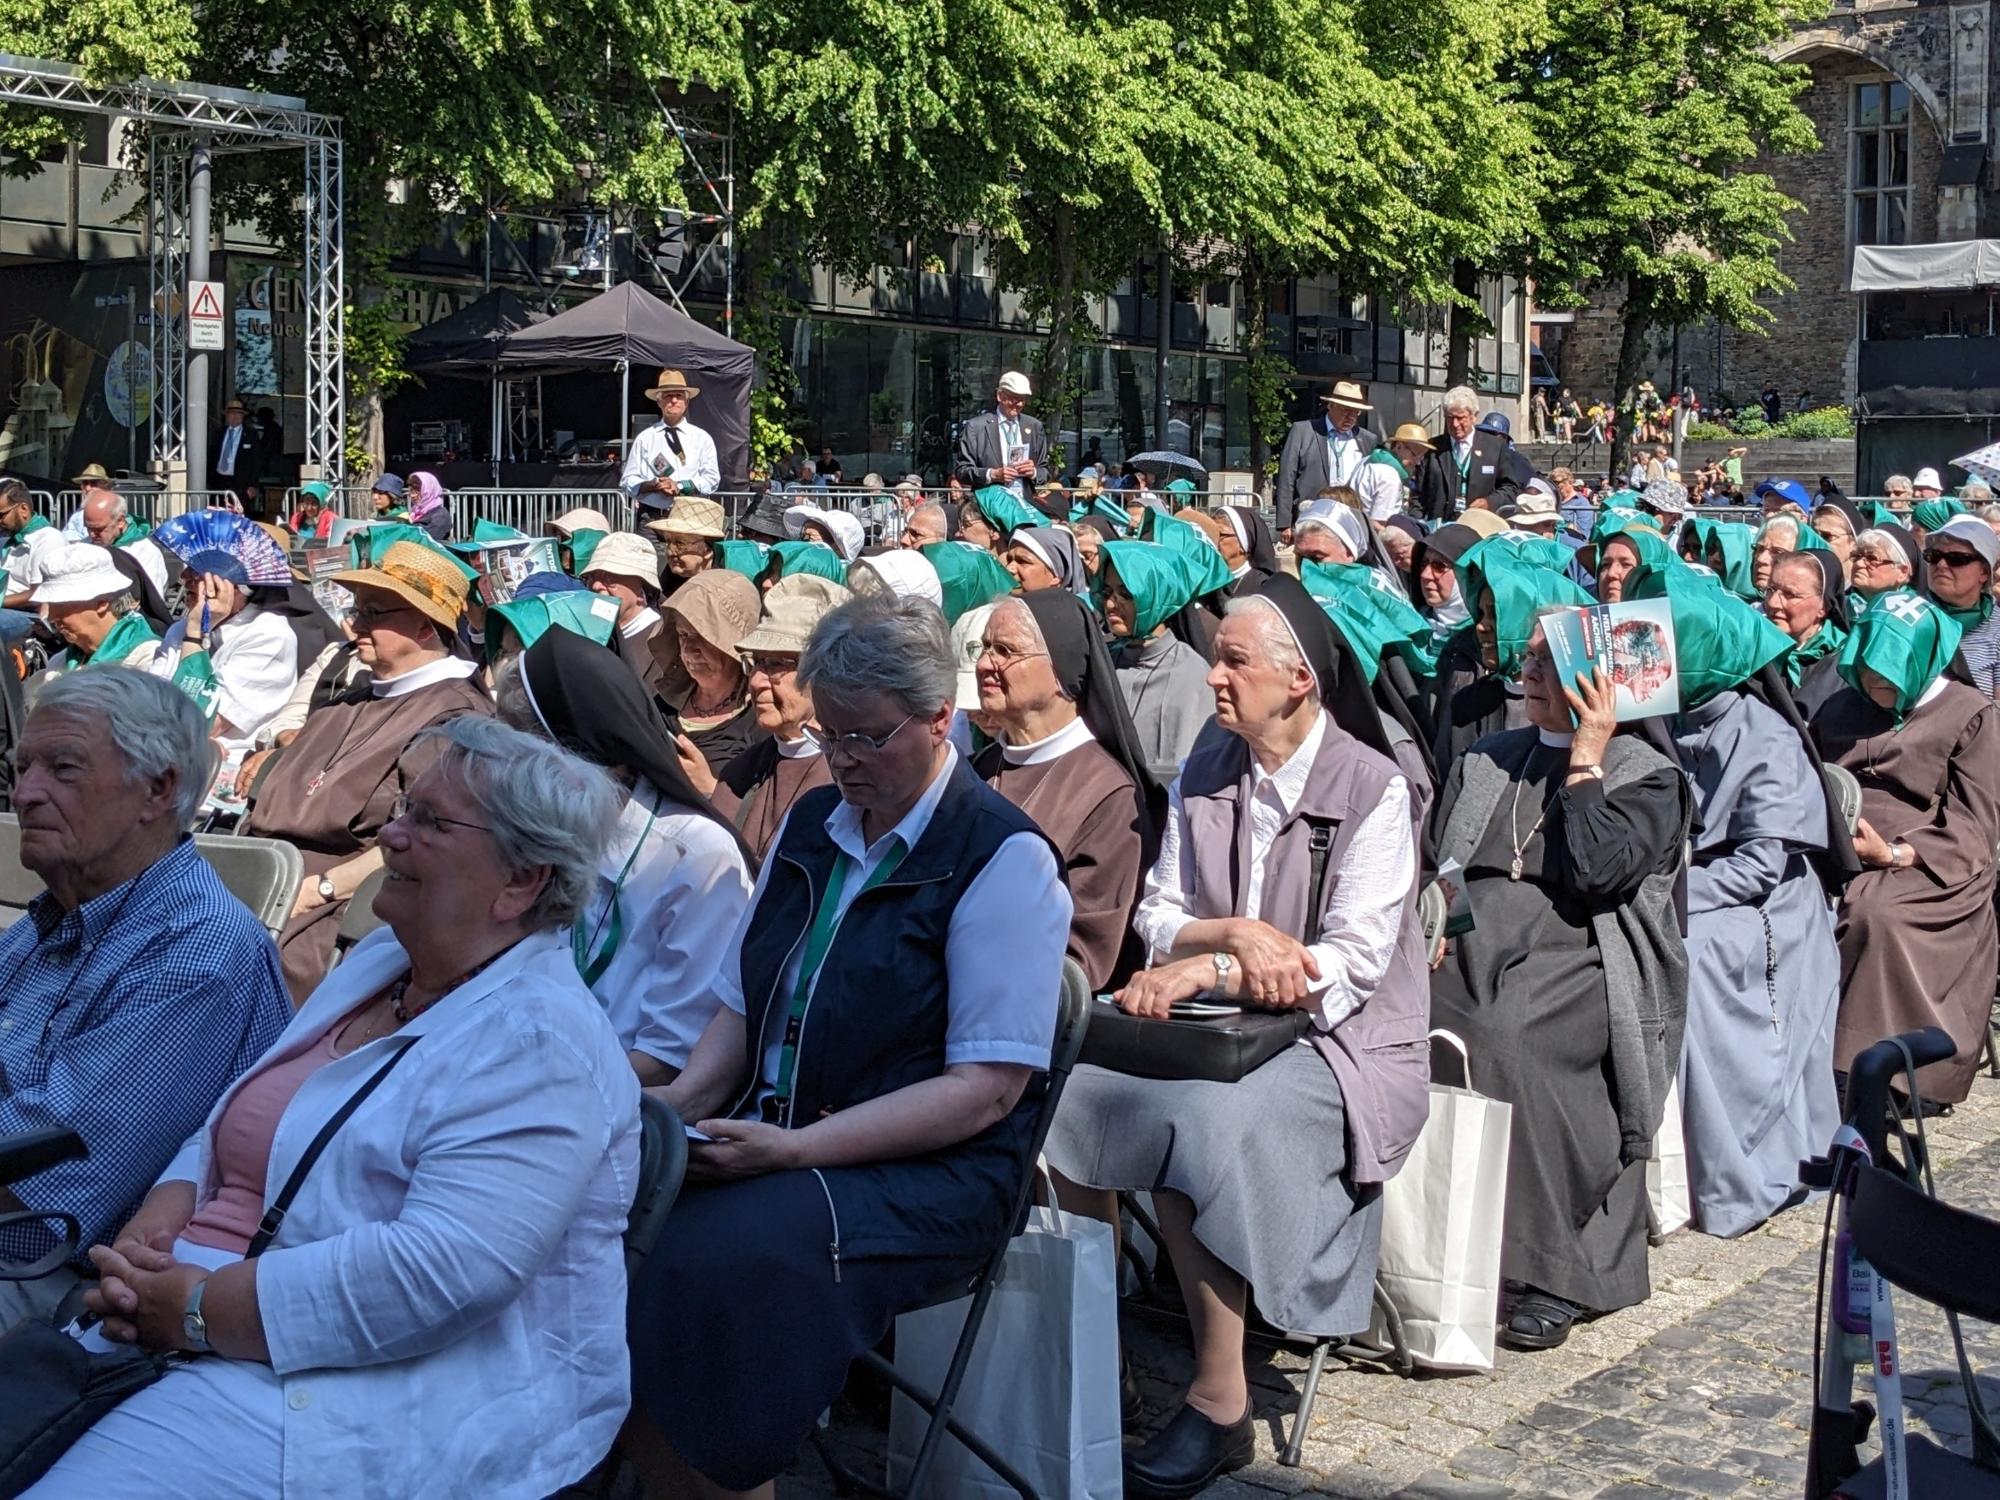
(797, 835)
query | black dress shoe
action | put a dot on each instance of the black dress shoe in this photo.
(1187, 1455)
(1131, 1405)
(1534, 1320)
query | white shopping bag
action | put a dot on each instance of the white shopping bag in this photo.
(1042, 1388)
(1441, 1219)
(1668, 1204)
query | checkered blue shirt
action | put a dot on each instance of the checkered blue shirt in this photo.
(124, 1020)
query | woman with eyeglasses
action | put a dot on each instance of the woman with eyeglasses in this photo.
(440, 1307)
(865, 1097)
(1959, 559)
(705, 690)
(1917, 939)
(329, 792)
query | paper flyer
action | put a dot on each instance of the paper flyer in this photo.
(1632, 642)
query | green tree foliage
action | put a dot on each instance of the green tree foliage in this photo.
(1648, 114)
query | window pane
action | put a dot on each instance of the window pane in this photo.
(1867, 160)
(1895, 229)
(1868, 105)
(1896, 153)
(1899, 104)
(1864, 218)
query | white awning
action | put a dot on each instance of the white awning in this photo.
(1951, 266)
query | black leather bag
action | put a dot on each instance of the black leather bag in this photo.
(1215, 1049)
(52, 1388)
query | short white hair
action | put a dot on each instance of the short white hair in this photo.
(1791, 523)
(542, 805)
(150, 722)
(1896, 479)
(1975, 489)
(1877, 542)
(1281, 647)
(1461, 398)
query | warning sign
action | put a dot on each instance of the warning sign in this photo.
(205, 324)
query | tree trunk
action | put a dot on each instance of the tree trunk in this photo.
(1256, 337)
(1637, 321)
(1065, 317)
(1466, 325)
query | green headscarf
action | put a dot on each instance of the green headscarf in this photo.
(485, 533)
(1372, 614)
(1880, 515)
(582, 542)
(1388, 460)
(806, 557)
(748, 558)
(1719, 640)
(1106, 508)
(1003, 512)
(370, 542)
(1196, 548)
(1180, 486)
(1655, 556)
(1536, 551)
(1615, 519)
(1521, 592)
(317, 489)
(1905, 638)
(592, 616)
(1735, 541)
(970, 576)
(1158, 579)
(1822, 642)
(1931, 514)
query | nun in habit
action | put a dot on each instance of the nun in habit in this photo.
(1756, 1074)
(1067, 755)
(1149, 608)
(1570, 987)
(1505, 590)
(1916, 931)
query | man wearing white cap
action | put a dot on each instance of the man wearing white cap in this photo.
(673, 456)
(1927, 485)
(1004, 446)
(90, 604)
(1323, 452)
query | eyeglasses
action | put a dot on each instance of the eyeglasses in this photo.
(1863, 560)
(858, 745)
(426, 820)
(374, 614)
(1939, 559)
(1005, 656)
(681, 545)
(773, 667)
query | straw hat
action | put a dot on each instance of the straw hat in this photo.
(423, 579)
(1345, 393)
(671, 380)
(78, 572)
(581, 519)
(692, 516)
(1485, 522)
(92, 474)
(626, 556)
(793, 607)
(1411, 432)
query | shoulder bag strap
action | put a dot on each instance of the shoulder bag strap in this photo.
(1322, 847)
(274, 1216)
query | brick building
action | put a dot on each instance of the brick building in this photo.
(1902, 99)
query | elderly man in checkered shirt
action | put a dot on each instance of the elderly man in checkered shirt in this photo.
(136, 988)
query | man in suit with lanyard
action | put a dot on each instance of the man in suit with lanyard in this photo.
(1004, 446)
(1325, 451)
(1468, 462)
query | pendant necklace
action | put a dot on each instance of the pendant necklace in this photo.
(1516, 865)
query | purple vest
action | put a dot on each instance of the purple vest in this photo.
(1380, 1054)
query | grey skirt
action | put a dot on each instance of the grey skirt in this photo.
(1261, 1160)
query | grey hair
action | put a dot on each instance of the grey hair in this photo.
(1989, 513)
(1975, 489)
(120, 605)
(1878, 543)
(1460, 398)
(511, 702)
(1774, 522)
(155, 726)
(883, 643)
(1902, 479)
(543, 806)
(929, 510)
(1281, 647)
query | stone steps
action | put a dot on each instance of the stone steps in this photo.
(1768, 458)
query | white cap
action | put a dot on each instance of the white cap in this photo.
(624, 555)
(1536, 509)
(79, 572)
(581, 519)
(1974, 532)
(849, 536)
(1344, 521)
(1014, 383)
(1927, 479)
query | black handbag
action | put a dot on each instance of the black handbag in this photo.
(52, 1388)
(1212, 1048)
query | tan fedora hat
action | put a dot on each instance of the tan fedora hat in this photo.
(421, 578)
(671, 380)
(1411, 432)
(693, 516)
(92, 474)
(625, 555)
(1345, 393)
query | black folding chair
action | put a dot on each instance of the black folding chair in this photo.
(1900, 1230)
(23, 1154)
(1073, 1017)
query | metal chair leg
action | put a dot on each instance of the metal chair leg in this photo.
(1993, 1040)
(1303, 1419)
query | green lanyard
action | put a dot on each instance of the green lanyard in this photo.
(613, 920)
(818, 940)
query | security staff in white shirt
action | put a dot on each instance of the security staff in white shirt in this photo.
(674, 457)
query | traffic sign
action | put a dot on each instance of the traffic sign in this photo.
(205, 326)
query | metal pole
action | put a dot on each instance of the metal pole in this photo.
(195, 401)
(624, 410)
(1163, 342)
(131, 379)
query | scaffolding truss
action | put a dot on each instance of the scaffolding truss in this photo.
(174, 116)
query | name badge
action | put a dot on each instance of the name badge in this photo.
(1486, 468)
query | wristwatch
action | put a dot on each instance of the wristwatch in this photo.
(1596, 771)
(1223, 964)
(326, 888)
(194, 1327)
(1901, 855)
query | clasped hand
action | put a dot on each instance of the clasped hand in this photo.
(141, 1294)
(1270, 969)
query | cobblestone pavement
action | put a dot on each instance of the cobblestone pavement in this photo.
(1705, 1390)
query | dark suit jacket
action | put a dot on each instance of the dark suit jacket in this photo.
(1496, 473)
(979, 449)
(249, 459)
(1302, 469)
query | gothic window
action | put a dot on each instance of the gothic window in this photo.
(1878, 163)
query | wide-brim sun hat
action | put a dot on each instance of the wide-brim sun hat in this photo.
(671, 380)
(693, 515)
(423, 579)
(581, 519)
(78, 573)
(792, 609)
(624, 555)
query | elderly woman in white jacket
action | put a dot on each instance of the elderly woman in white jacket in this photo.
(442, 1309)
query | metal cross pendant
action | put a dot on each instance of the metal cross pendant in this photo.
(1514, 868)
(318, 781)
